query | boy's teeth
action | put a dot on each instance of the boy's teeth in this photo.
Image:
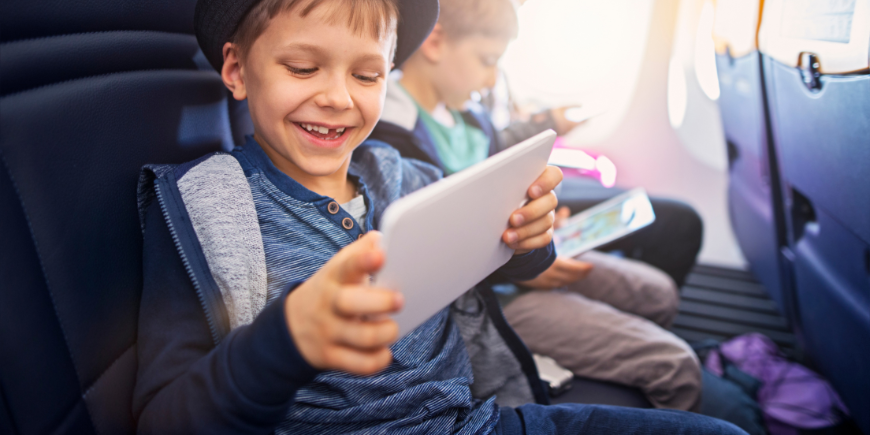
(322, 130)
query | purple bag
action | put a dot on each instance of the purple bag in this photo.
(791, 396)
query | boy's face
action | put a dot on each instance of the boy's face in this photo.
(467, 65)
(315, 90)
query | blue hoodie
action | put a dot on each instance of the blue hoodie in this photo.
(214, 356)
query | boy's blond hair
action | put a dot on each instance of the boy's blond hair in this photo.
(463, 18)
(375, 17)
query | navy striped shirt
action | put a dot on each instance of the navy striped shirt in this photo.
(426, 389)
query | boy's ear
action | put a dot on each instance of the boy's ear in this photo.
(231, 72)
(433, 46)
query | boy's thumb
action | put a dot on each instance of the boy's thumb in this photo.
(360, 259)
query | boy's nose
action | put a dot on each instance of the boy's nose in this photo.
(335, 95)
(491, 78)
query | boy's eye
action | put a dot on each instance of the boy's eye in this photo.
(367, 79)
(301, 71)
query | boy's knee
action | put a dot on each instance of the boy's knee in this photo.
(678, 377)
(664, 302)
(661, 295)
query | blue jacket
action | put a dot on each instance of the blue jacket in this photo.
(203, 366)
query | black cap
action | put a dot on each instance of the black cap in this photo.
(215, 21)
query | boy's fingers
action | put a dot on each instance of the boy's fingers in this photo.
(358, 362)
(548, 181)
(535, 242)
(549, 283)
(359, 259)
(572, 265)
(514, 235)
(569, 276)
(366, 335)
(361, 301)
(562, 215)
(534, 210)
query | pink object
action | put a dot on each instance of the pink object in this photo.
(579, 163)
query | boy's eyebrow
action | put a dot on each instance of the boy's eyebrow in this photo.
(315, 49)
(301, 46)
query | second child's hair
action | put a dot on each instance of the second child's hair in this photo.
(463, 18)
(374, 17)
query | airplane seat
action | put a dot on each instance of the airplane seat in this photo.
(91, 91)
(754, 189)
(818, 81)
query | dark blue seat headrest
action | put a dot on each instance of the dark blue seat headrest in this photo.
(26, 19)
(30, 63)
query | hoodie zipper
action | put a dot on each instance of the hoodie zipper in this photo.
(212, 323)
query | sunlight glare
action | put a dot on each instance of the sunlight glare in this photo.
(705, 53)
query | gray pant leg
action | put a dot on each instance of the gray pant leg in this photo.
(597, 341)
(630, 286)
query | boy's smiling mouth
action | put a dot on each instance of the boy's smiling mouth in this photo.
(322, 132)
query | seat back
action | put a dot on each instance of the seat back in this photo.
(817, 72)
(754, 184)
(91, 91)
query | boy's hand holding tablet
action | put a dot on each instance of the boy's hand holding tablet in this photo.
(565, 270)
(442, 240)
(339, 321)
(532, 225)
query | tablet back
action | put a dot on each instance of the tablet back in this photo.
(443, 239)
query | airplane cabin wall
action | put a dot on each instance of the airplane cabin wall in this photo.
(689, 162)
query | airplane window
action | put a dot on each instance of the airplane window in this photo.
(704, 67)
(693, 85)
(676, 93)
(705, 53)
(589, 52)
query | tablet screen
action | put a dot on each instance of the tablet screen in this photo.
(604, 223)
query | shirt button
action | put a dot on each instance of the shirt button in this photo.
(347, 223)
(332, 207)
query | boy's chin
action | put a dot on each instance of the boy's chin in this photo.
(457, 103)
(322, 167)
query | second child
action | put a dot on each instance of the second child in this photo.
(600, 316)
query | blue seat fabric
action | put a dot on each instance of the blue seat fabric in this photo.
(798, 200)
(753, 185)
(91, 91)
(823, 139)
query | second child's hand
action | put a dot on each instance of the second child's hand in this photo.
(531, 227)
(564, 271)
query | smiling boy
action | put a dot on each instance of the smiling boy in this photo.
(256, 312)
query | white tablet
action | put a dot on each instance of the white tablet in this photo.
(442, 240)
(604, 223)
